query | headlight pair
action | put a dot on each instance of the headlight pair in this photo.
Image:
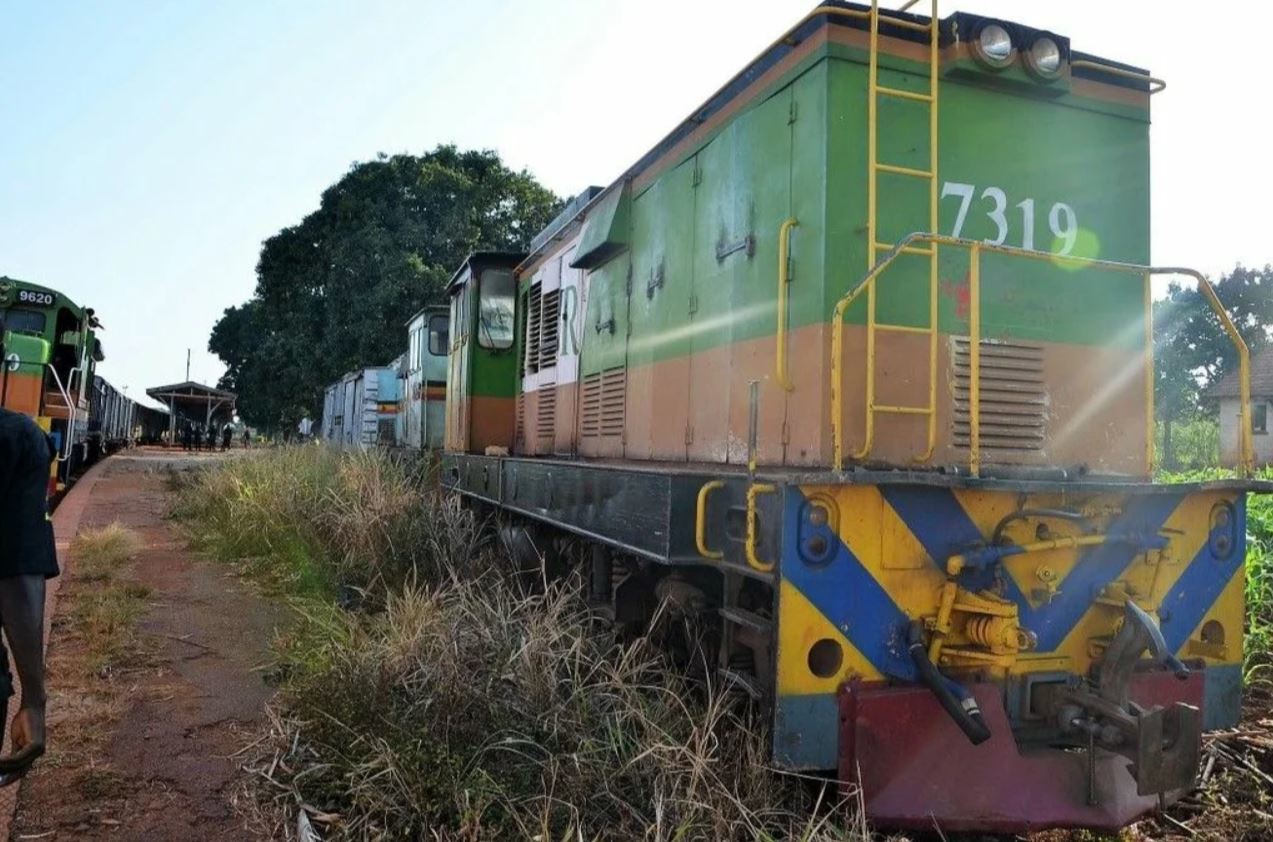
(993, 47)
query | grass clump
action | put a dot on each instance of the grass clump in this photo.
(105, 605)
(452, 703)
(468, 710)
(314, 522)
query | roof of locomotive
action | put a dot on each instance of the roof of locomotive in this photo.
(949, 27)
(7, 283)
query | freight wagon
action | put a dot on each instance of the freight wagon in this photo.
(360, 409)
(112, 419)
(853, 371)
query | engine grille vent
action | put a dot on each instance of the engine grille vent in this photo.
(603, 397)
(1013, 399)
(521, 419)
(546, 416)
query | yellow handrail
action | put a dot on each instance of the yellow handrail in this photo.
(1155, 85)
(1247, 451)
(784, 278)
(753, 491)
(1150, 430)
(700, 520)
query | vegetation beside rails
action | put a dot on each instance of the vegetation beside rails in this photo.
(104, 606)
(99, 650)
(426, 694)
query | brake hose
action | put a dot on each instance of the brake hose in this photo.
(955, 699)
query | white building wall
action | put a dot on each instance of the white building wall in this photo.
(1262, 442)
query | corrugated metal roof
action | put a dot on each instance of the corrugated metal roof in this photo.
(1261, 379)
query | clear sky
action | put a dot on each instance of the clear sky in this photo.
(147, 148)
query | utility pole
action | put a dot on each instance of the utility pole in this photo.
(187, 365)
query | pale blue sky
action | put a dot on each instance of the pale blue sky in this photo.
(147, 148)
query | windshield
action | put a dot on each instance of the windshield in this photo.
(25, 321)
(495, 309)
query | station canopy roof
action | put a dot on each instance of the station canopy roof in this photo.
(194, 400)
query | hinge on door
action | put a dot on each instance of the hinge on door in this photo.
(693, 303)
(689, 434)
(792, 113)
(697, 178)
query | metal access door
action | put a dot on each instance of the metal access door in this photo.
(459, 368)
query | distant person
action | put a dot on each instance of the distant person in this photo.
(198, 437)
(226, 435)
(212, 439)
(247, 438)
(187, 437)
(28, 557)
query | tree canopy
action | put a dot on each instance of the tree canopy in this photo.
(334, 292)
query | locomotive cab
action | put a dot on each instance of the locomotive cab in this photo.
(482, 364)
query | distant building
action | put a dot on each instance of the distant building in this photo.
(1226, 393)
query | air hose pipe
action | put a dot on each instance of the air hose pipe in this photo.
(954, 697)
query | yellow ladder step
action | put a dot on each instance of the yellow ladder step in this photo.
(926, 251)
(904, 328)
(903, 410)
(911, 171)
(901, 94)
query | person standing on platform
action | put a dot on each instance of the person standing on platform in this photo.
(28, 557)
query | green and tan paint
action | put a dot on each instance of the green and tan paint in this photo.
(692, 298)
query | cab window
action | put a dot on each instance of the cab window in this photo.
(495, 309)
(439, 335)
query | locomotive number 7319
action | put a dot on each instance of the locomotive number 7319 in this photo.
(1062, 220)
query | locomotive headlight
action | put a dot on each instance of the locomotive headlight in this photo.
(993, 46)
(1043, 59)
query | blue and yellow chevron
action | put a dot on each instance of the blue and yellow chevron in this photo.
(859, 562)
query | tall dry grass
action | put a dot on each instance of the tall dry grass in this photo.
(447, 702)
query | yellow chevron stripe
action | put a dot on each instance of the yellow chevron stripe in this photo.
(801, 626)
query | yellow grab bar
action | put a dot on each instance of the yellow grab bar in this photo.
(700, 520)
(1155, 85)
(1246, 444)
(784, 278)
(974, 359)
(753, 491)
(1150, 428)
(1247, 450)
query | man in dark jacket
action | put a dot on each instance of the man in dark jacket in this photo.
(28, 557)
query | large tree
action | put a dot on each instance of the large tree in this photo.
(333, 292)
(1192, 350)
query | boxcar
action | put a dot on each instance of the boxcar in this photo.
(359, 410)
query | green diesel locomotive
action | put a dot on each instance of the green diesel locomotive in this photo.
(855, 369)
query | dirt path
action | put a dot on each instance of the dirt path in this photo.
(177, 717)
